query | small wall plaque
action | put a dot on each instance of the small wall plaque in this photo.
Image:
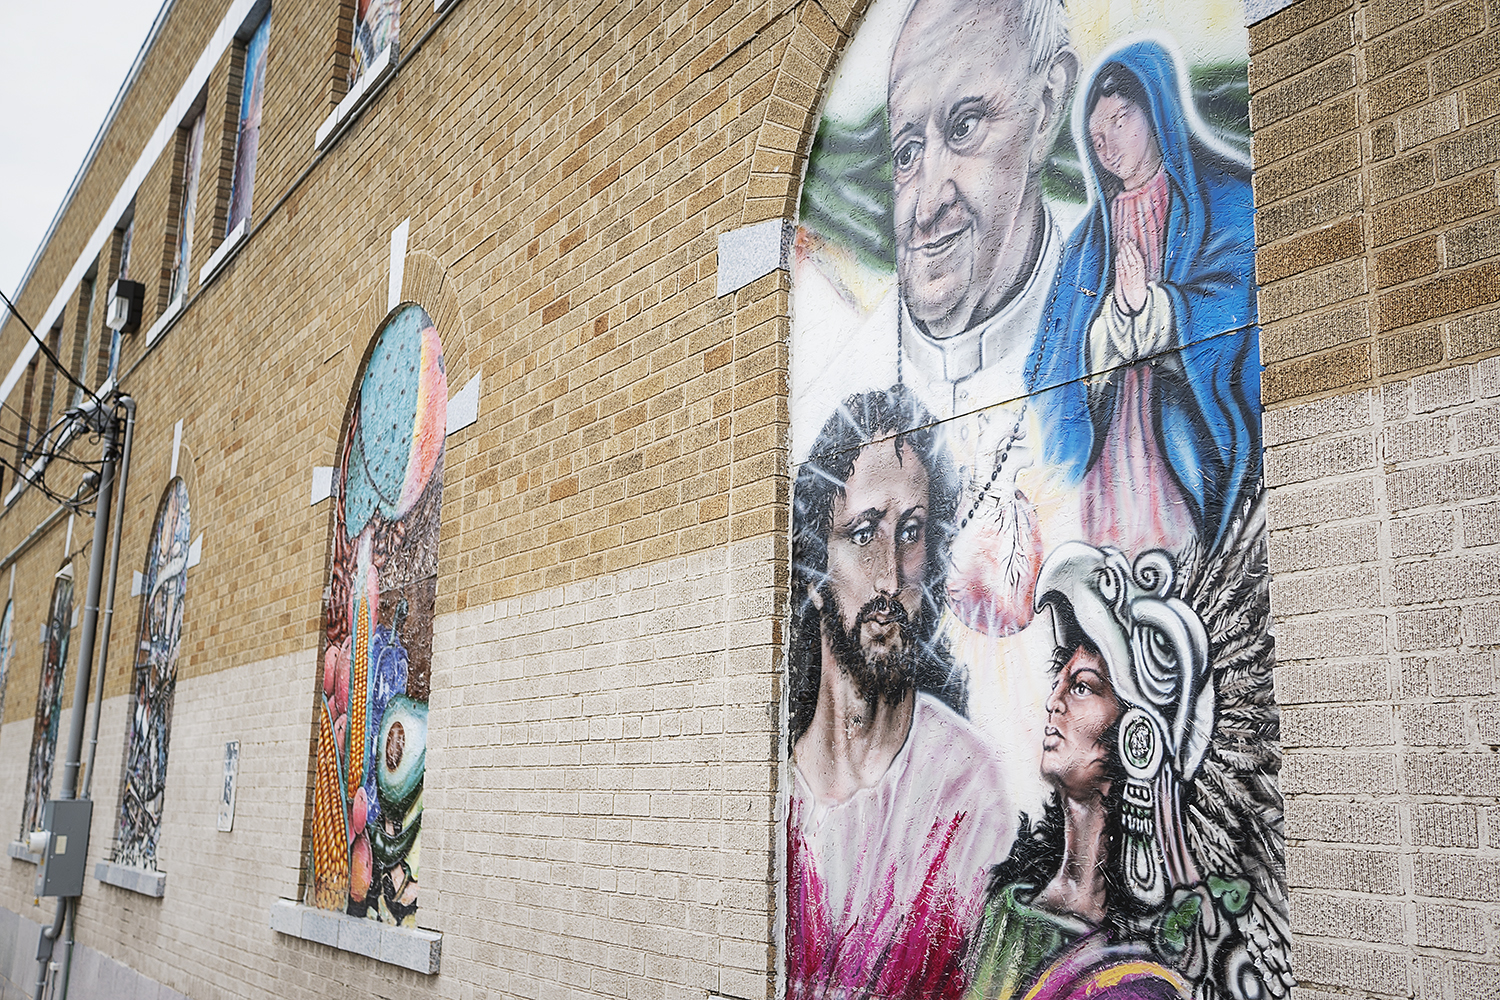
(226, 794)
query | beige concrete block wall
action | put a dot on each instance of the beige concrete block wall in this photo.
(602, 779)
(1375, 144)
(599, 816)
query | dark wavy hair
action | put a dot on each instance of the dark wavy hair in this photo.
(860, 421)
(1037, 854)
(1117, 80)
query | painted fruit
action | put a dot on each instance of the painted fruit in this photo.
(361, 868)
(401, 753)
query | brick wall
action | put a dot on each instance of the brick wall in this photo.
(1376, 143)
(606, 684)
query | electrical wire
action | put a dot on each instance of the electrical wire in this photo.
(47, 351)
(35, 462)
(45, 451)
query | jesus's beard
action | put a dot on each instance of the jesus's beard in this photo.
(884, 675)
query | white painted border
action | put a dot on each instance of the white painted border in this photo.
(176, 446)
(322, 484)
(463, 407)
(1259, 10)
(399, 237)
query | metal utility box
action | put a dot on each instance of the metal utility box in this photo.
(67, 822)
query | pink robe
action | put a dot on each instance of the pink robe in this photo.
(1130, 500)
(885, 888)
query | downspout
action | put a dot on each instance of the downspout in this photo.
(90, 625)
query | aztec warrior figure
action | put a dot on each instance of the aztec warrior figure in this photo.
(1034, 742)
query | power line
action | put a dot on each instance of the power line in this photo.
(42, 346)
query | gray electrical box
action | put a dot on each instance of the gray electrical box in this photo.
(67, 822)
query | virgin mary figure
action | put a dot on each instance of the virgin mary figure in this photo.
(1148, 350)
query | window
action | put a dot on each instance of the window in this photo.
(154, 683)
(377, 641)
(191, 162)
(126, 236)
(88, 295)
(7, 648)
(49, 697)
(28, 400)
(376, 23)
(247, 134)
(49, 389)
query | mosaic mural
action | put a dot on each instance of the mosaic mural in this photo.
(181, 265)
(1034, 743)
(154, 682)
(377, 642)
(49, 698)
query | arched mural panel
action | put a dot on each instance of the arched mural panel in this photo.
(154, 681)
(7, 650)
(49, 697)
(1034, 739)
(377, 642)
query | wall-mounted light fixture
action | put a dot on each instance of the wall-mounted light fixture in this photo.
(123, 312)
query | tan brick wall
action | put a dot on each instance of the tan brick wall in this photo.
(1376, 145)
(566, 170)
(1375, 153)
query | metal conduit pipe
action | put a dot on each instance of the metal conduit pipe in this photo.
(109, 595)
(84, 672)
(128, 404)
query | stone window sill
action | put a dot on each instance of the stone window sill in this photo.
(221, 256)
(166, 319)
(410, 948)
(135, 879)
(366, 85)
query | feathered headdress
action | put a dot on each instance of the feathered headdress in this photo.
(1189, 653)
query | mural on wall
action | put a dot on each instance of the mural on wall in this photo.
(1034, 742)
(377, 648)
(49, 697)
(154, 682)
(376, 23)
(247, 137)
(7, 649)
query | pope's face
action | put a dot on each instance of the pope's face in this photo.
(1081, 712)
(966, 130)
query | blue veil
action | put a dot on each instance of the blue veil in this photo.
(1207, 392)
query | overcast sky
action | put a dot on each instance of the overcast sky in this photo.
(60, 67)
